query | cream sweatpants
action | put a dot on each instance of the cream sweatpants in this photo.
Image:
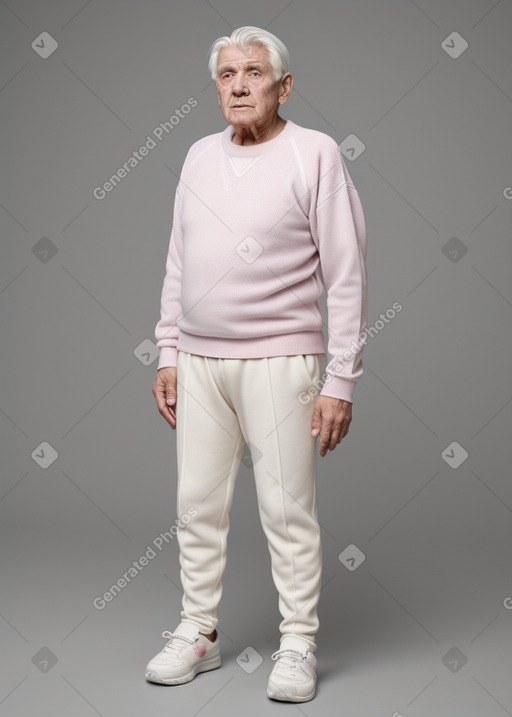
(223, 405)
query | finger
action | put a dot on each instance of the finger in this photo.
(335, 439)
(162, 394)
(170, 417)
(336, 435)
(316, 422)
(325, 436)
(160, 398)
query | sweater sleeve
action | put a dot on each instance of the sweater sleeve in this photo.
(167, 330)
(339, 231)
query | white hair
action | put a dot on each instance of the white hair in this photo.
(248, 35)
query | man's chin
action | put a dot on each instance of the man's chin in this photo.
(242, 113)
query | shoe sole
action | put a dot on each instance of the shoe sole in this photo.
(211, 663)
(277, 693)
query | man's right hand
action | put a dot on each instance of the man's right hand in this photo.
(165, 392)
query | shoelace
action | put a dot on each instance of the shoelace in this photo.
(289, 657)
(174, 644)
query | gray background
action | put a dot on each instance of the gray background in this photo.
(435, 586)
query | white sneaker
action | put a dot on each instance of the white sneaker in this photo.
(294, 677)
(183, 657)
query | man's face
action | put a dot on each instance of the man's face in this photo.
(247, 92)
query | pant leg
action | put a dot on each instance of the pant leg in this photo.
(209, 451)
(276, 424)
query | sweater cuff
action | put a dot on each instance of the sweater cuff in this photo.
(168, 357)
(337, 387)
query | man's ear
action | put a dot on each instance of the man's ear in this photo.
(286, 85)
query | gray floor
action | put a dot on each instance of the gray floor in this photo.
(395, 632)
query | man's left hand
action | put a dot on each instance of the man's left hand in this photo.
(331, 419)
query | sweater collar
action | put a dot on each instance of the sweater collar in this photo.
(254, 150)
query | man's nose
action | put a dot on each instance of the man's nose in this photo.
(239, 85)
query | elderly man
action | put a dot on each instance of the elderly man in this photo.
(260, 210)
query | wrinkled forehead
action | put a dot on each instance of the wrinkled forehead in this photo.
(240, 57)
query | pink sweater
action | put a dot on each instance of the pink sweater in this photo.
(254, 229)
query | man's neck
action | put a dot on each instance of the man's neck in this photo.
(245, 136)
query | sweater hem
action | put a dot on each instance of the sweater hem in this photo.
(301, 342)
